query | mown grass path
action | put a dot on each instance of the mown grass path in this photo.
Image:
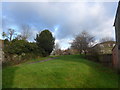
(43, 60)
(70, 71)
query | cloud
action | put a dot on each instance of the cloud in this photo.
(60, 0)
(65, 20)
(64, 43)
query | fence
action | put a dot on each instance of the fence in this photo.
(105, 59)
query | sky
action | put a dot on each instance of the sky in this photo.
(64, 19)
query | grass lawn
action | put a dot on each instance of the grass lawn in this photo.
(70, 71)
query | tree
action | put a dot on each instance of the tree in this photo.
(19, 37)
(82, 42)
(45, 42)
(26, 32)
(57, 50)
(56, 47)
(105, 39)
(33, 48)
(4, 35)
(10, 35)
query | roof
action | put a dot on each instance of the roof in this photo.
(107, 42)
(118, 10)
(114, 47)
(112, 42)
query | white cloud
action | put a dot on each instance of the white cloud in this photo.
(68, 19)
(64, 43)
(60, 0)
(105, 29)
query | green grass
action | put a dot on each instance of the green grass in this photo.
(70, 71)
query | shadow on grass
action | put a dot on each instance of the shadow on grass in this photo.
(79, 59)
(82, 59)
(74, 58)
(99, 75)
(8, 75)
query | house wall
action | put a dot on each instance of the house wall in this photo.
(115, 57)
(117, 25)
(118, 42)
(119, 59)
(117, 30)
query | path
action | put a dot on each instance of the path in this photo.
(43, 60)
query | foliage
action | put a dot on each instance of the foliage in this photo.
(17, 47)
(45, 42)
(17, 51)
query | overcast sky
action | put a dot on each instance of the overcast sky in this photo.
(64, 20)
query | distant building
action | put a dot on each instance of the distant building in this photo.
(74, 51)
(116, 49)
(105, 47)
(57, 52)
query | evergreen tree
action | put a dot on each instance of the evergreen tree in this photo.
(45, 42)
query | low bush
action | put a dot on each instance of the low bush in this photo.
(18, 51)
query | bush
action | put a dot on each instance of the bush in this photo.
(18, 51)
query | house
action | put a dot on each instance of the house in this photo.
(74, 51)
(104, 47)
(116, 49)
(66, 52)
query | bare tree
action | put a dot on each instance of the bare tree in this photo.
(105, 39)
(26, 32)
(9, 35)
(57, 50)
(56, 46)
(82, 42)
